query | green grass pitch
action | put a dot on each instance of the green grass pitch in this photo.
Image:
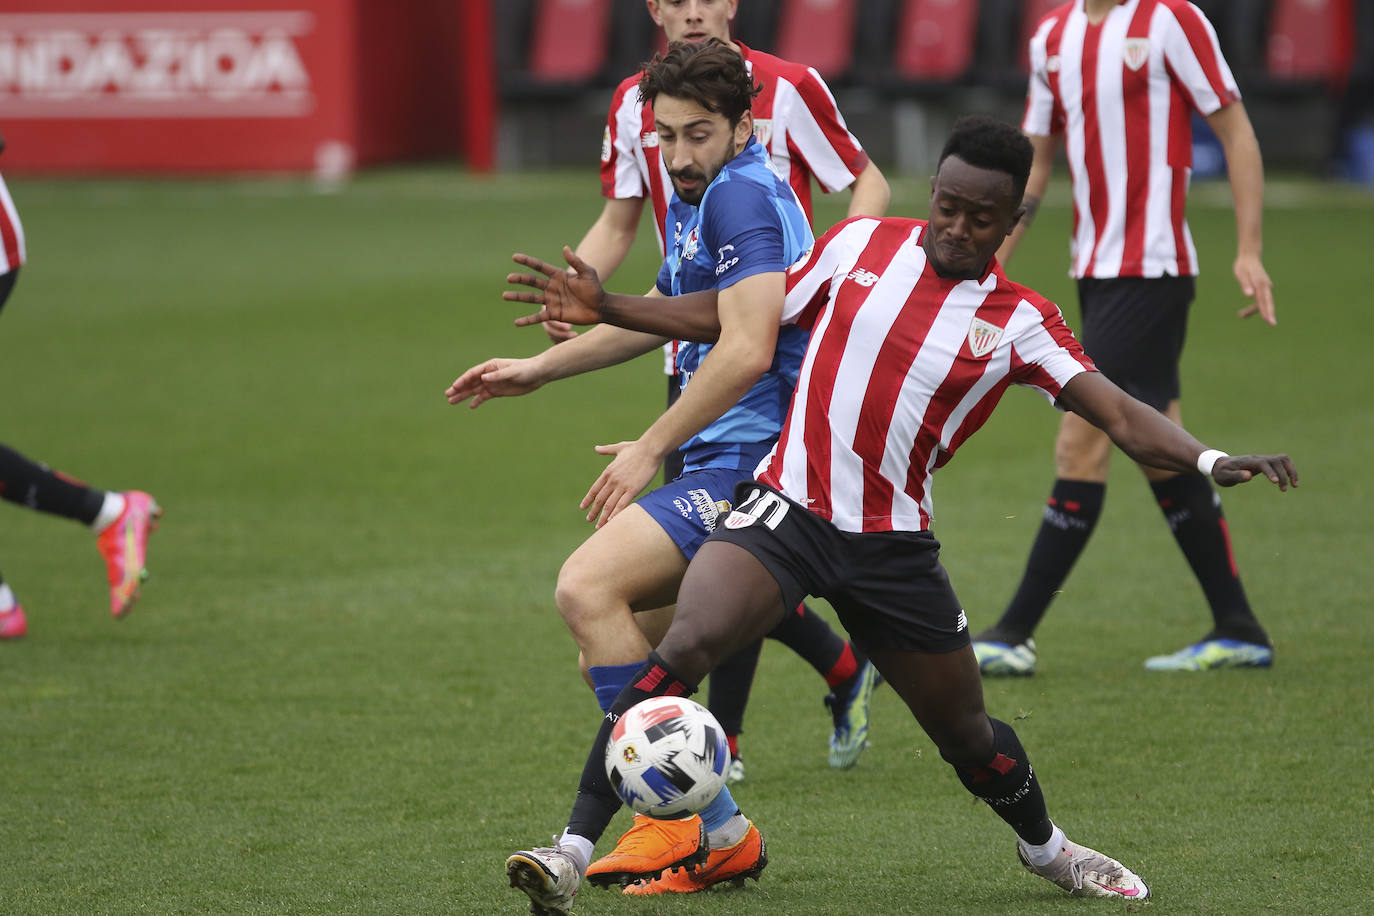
(346, 689)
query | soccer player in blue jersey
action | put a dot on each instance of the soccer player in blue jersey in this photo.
(735, 226)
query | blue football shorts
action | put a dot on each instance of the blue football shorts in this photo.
(689, 507)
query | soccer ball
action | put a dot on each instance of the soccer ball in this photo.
(667, 757)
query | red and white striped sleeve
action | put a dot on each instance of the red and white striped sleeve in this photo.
(833, 254)
(621, 173)
(12, 252)
(1039, 119)
(817, 131)
(1194, 56)
(1047, 355)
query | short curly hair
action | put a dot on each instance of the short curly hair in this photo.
(991, 144)
(710, 73)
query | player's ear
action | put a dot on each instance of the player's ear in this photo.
(744, 129)
(1016, 218)
(653, 11)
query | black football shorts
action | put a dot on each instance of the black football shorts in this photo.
(888, 587)
(1133, 328)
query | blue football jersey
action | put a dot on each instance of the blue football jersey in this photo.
(749, 222)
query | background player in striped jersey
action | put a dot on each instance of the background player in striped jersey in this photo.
(915, 335)
(797, 121)
(121, 521)
(1120, 81)
(736, 225)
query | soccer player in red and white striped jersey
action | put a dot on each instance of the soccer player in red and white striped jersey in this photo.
(1120, 83)
(798, 122)
(915, 334)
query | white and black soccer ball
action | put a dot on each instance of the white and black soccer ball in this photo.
(667, 757)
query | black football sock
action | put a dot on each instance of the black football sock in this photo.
(1070, 516)
(597, 801)
(1193, 511)
(28, 483)
(1008, 785)
(809, 635)
(727, 689)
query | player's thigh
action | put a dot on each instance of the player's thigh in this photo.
(631, 560)
(728, 600)
(1081, 450)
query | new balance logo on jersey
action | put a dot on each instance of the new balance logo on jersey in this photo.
(1052, 64)
(1136, 52)
(960, 622)
(648, 139)
(863, 277)
(983, 337)
(606, 144)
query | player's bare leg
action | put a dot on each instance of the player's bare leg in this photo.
(945, 693)
(630, 564)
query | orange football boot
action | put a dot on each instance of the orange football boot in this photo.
(649, 848)
(745, 859)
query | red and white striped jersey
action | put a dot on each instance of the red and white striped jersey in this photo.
(11, 232)
(902, 367)
(1123, 92)
(795, 118)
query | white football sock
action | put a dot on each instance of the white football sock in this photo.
(580, 847)
(729, 833)
(1044, 854)
(110, 511)
(6, 597)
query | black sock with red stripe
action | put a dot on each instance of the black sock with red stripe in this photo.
(597, 802)
(1070, 516)
(1193, 511)
(29, 483)
(810, 636)
(1008, 785)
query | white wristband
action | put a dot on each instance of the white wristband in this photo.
(1208, 459)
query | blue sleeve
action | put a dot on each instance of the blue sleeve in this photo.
(664, 283)
(741, 224)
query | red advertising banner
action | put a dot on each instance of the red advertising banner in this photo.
(217, 85)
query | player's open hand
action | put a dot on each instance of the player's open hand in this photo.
(495, 378)
(1228, 472)
(1254, 282)
(573, 296)
(633, 467)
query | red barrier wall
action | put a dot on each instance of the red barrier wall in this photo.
(226, 85)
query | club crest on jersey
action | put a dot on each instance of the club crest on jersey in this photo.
(763, 130)
(606, 144)
(1137, 51)
(983, 337)
(649, 139)
(693, 242)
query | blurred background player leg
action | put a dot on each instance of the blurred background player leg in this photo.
(121, 521)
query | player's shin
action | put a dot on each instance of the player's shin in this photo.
(597, 802)
(1008, 785)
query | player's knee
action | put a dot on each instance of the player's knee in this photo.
(576, 596)
(964, 740)
(1082, 454)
